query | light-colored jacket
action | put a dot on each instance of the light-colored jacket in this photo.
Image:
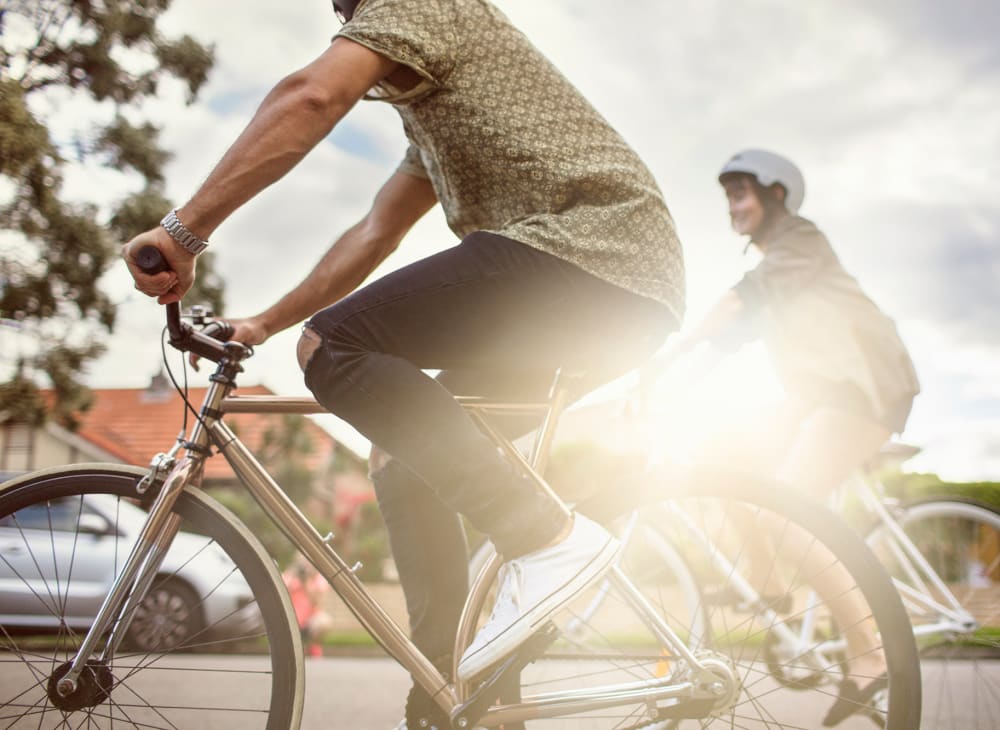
(821, 330)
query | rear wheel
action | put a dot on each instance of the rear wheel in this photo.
(657, 567)
(959, 645)
(212, 644)
(772, 670)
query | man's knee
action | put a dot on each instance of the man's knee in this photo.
(308, 343)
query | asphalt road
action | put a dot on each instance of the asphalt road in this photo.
(352, 693)
(345, 693)
(368, 694)
(348, 693)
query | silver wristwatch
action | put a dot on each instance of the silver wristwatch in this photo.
(180, 233)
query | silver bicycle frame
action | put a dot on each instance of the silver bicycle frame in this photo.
(158, 533)
(949, 615)
(917, 595)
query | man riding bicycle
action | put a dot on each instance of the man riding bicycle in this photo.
(568, 259)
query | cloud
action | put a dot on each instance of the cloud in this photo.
(967, 29)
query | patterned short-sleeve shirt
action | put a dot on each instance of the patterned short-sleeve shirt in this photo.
(512, 147)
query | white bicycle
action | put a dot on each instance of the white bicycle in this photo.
(942, 552)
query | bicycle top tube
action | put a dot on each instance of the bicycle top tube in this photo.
(307, 405)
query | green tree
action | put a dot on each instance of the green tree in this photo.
(58, 57)
(284, 451)
(914, 487)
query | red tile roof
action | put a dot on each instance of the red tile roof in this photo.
(134, 424)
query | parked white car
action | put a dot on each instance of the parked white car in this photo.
(57, 562)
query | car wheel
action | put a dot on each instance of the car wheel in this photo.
(169, 618)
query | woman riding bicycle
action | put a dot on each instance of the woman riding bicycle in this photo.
(848, 378)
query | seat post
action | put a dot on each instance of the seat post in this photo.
(559, 395)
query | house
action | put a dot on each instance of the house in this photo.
(131, 425)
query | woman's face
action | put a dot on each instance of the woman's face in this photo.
(746, 212)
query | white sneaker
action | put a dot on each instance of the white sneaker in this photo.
(535, 586)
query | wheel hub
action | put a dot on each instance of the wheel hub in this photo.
(719, 679)
(93, 686)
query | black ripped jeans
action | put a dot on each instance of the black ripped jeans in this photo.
(497, 318)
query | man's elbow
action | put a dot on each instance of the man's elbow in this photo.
(306, 94)
(383, 241)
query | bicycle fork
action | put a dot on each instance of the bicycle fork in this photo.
(135, 578)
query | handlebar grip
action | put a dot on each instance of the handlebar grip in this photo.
(150, 260)
(222, 331)
(208, 342)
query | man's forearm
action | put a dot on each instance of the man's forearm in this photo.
(295, 116)
(282, 132)
(298, 113)
(400, 203)
(341, 270)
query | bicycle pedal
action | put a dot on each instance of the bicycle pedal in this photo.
(505, 679)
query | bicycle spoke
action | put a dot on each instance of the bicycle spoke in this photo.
(237, 591)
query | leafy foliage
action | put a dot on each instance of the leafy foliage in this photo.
(371, 544)
(21, 396)
(914, 487)
(58, 57)
(284, 450)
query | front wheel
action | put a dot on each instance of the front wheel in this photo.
(955, 610)
(212, 644)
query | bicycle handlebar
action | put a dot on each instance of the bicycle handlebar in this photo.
(211, 342)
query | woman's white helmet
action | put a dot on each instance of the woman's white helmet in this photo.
(770, 168)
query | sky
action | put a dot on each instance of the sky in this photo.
(891, 110)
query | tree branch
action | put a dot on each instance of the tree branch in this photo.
(44, 42)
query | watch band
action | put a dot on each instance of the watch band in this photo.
(180, 233)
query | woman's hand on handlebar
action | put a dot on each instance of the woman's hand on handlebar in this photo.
(167, 286)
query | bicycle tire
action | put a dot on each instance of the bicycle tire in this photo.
(960, 538)
(737, 641)
(241, 668)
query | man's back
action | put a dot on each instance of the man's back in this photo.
(513, 148)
